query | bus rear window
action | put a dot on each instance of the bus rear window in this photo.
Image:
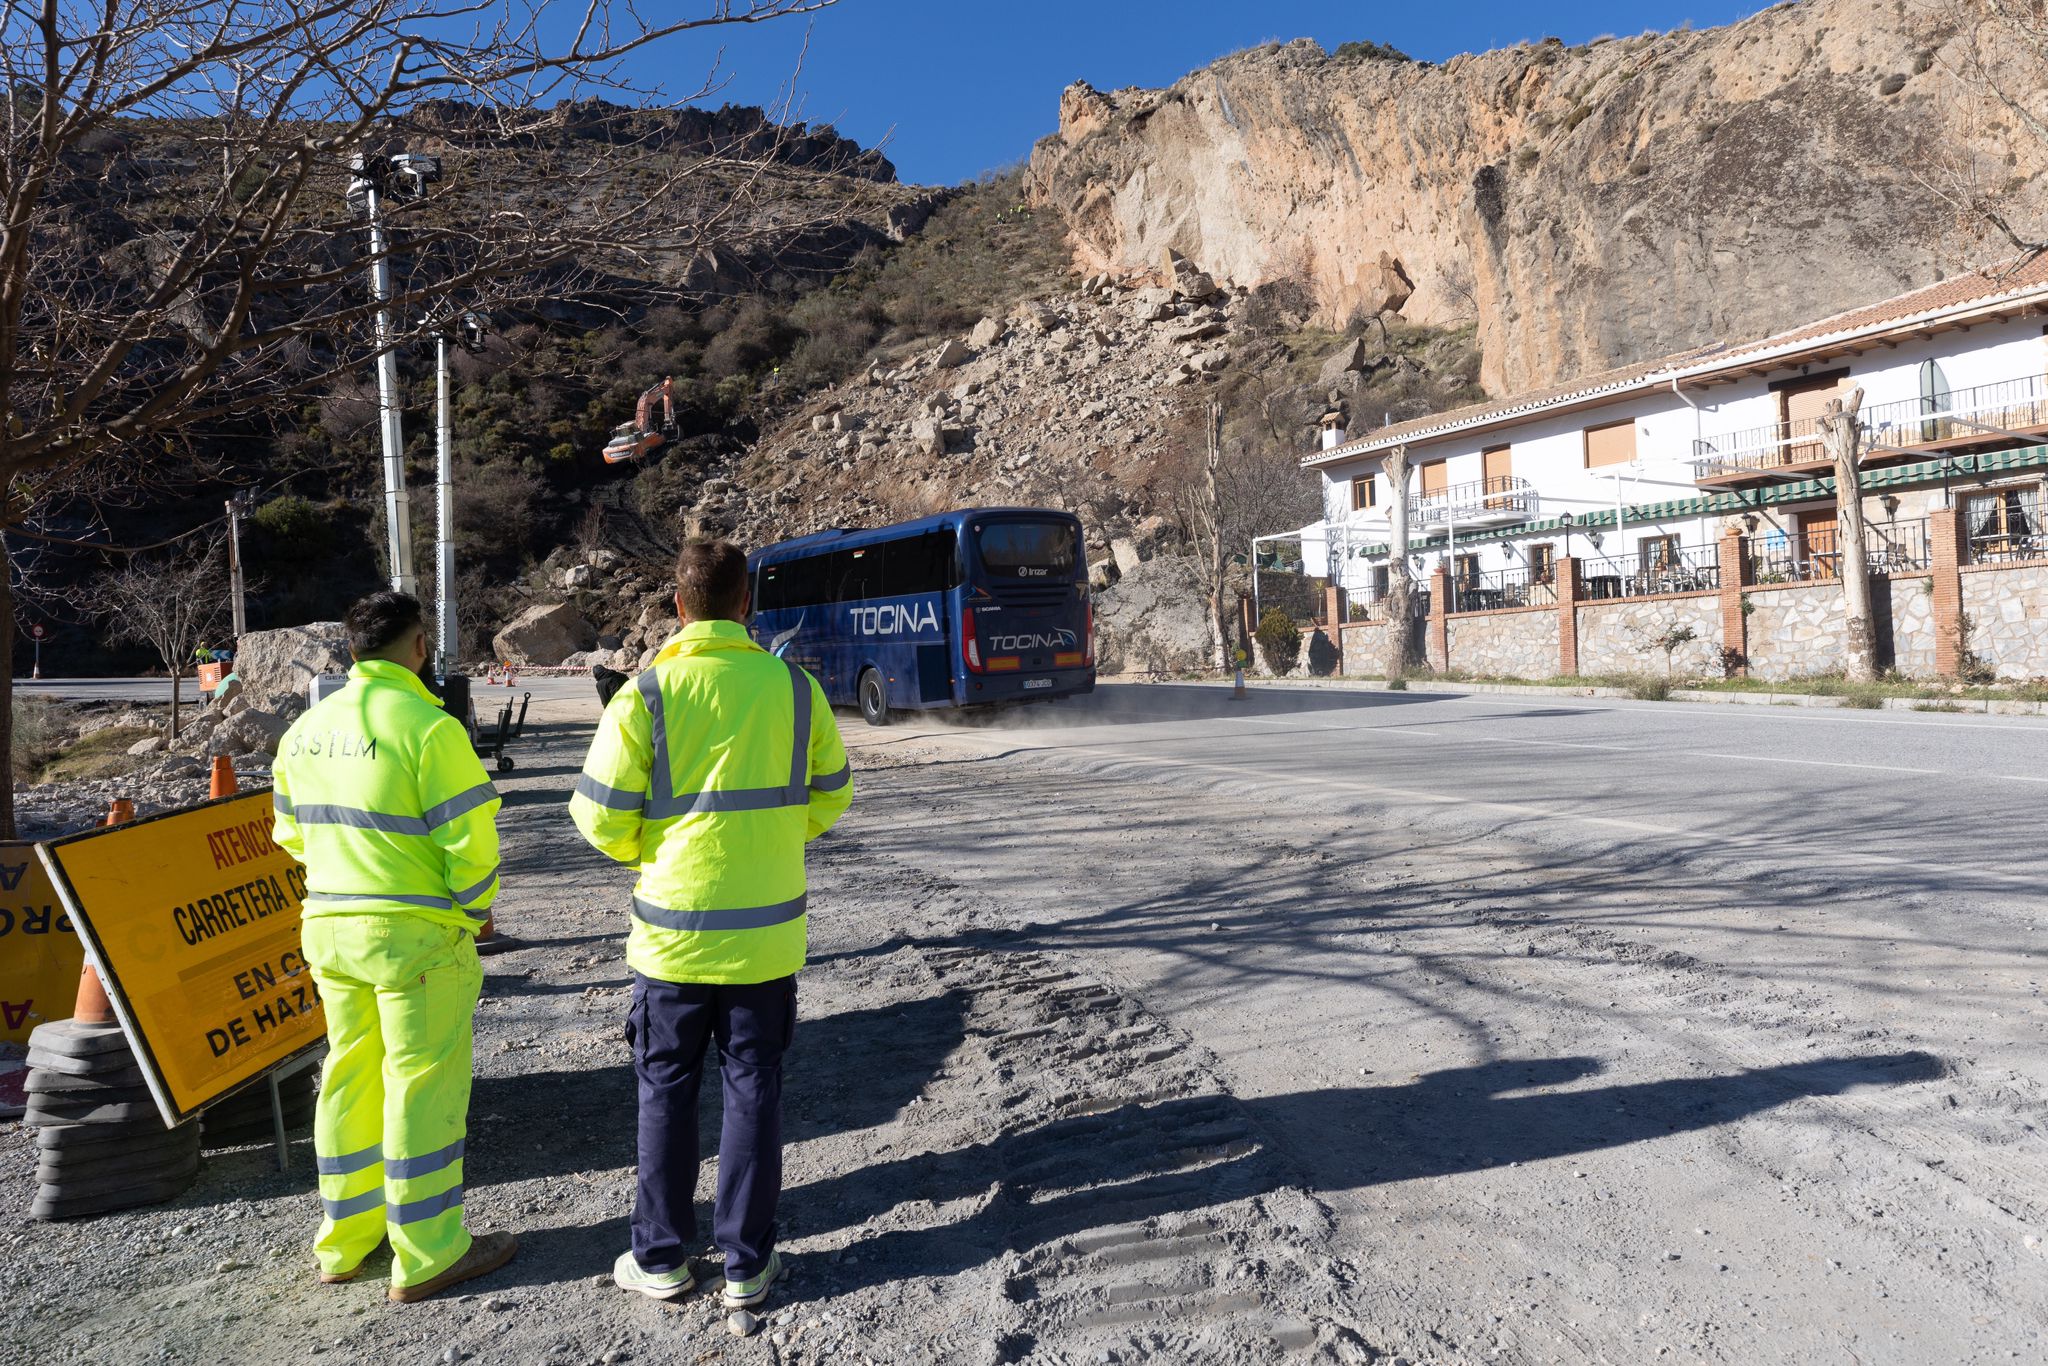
(1028, 549)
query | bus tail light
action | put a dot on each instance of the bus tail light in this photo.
(1088, 634)
(970, 646)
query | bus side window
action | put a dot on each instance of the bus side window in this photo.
(920, 564)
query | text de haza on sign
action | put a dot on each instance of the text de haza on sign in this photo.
(193, 921)
(39, 953)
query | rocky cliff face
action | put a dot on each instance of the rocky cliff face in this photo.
(1590, 206)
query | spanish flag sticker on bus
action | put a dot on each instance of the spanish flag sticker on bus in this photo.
(192, 919)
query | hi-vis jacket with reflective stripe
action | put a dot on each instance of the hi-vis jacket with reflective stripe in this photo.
(380, 794)
(711, 773)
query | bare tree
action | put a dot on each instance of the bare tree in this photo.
(169, 604)
(177, 248)
(1844, 439)
(1999, 60)
(1401, 660)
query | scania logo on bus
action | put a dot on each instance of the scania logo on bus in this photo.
(895, 618)
(1039, 640)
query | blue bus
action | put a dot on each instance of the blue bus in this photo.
(982, 605)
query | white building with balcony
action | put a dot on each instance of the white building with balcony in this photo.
(1639, 470)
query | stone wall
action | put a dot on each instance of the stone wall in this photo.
(1365, 648)
(1505, 644)
(1797, 631)
(2008, 612)
(1614, 635)
(1912, 625)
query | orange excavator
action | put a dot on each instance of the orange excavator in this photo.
(631, 440)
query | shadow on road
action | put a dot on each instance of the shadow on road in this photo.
(1079, 1174)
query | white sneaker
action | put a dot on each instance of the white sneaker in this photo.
(656, 1285)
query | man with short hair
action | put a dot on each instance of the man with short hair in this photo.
(379, 792)
(710, 774)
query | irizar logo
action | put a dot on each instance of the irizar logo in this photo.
(1041, 640)
(1026, 571)
(895, 618)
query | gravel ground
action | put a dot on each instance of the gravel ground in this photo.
(995, 1155)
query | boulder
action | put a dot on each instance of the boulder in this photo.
(1186, 280)
(1153, 621)
(1393, 288)
(544, 635)
(276, 666)
(579, 576)
(1153, 305)
(1197, 331)
(1037, 316)
(148, 746)
(1343, 361)
(1125, 552)
(928, 434)
(986, 333)
(249, 732)
(953, 352)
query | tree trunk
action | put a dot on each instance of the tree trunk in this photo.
(176, 678)
(1219, 629)
(6, 697)
(1844, 441)
(1400, 599)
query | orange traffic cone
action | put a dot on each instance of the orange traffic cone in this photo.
(91, 1005)
(121, 811)
(224, 784)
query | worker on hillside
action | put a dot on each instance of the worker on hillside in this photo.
(710, 773)
(380, 794)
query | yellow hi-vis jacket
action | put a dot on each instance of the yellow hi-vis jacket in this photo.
(710, 774)
(380, 794)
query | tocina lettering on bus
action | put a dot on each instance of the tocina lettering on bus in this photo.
(892, 618)
(1037, 640)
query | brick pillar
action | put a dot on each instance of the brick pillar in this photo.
(1567, 575)
(1945, 538)
(1333, 605)
(1438, 649)
(1734, 622)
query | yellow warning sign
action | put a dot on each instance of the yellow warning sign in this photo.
(40, 955)
(192, 918)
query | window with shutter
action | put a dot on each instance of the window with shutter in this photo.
(1611, 443)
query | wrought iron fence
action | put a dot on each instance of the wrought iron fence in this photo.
(1502, 588)
(2005, 524)
(1503, 498)
(1375, 609)
(1683, 569)
(1899, 547)
(1792, 557)
(1768, 447)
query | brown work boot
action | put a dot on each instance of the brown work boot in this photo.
(340, 1277)
(487, 1252)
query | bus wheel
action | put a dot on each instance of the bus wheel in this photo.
(874, 698)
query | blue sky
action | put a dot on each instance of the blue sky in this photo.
(959, 87)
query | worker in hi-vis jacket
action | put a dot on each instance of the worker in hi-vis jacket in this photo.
(709, 774)
(379, 792)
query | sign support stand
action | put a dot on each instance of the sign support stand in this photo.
(278, 1074)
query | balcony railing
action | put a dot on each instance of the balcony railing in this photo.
(1481, 502)
(1899, 547)
(1502, 588)
(2009, 406)
(2014, 405)
(1688, 569)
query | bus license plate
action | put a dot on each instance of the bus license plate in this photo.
(1038, 682)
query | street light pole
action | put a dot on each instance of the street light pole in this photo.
(444, 513)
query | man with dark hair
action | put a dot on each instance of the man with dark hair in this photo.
(380, 794)
(710, 774)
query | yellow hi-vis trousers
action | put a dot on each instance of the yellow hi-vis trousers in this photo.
(401, 996)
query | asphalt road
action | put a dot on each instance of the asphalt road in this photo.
(1605, 1031)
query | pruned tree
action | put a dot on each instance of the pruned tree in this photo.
(170, 604)
(178, 249)
(1843, 437)
(1998, 61)
(1401, 660)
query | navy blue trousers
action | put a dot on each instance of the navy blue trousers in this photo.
(670, 1025)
